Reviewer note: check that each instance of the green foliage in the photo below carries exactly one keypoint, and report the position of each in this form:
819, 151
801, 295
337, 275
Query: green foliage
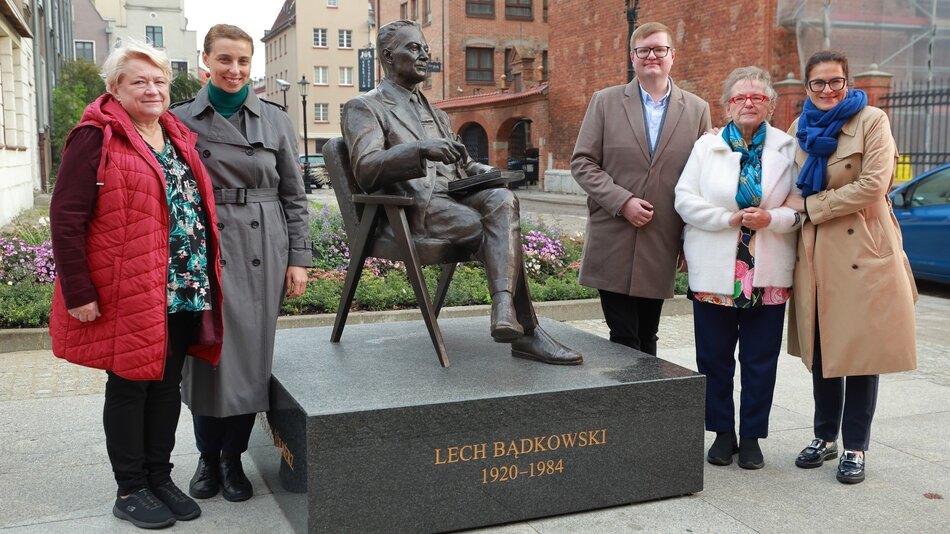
68, 105
469, 286
184, 87
322, 296
564, 287
85, 74
25, 305
681, 284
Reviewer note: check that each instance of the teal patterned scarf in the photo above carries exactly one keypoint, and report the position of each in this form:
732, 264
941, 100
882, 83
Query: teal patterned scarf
749, 193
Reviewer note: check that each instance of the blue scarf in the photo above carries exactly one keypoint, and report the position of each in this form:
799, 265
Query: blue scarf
818, 136
749, 193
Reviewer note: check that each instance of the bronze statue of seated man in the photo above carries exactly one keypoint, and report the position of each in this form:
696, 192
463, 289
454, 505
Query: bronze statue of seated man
399, 144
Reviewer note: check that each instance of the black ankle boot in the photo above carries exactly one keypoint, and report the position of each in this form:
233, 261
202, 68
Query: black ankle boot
205, 484
234, 483
722, 449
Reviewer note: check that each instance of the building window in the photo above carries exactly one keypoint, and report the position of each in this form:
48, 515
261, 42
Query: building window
346, 39
342, 107
427, 84
544, 66
85, 50
427, 11
320, 37
404, 11
179, 67
414, 8
321, 112
331, 3
480, 8
518, 9
321, 75
154, 36
479, 64
346, 75
544, 10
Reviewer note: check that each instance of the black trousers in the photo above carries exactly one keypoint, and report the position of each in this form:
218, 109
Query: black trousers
633, 321
140, 417
845, 403
758, 332
223, 435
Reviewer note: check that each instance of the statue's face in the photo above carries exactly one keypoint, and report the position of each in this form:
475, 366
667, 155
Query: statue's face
408, 57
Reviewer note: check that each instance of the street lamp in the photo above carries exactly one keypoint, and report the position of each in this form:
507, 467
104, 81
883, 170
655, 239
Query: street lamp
284, 85
304, 91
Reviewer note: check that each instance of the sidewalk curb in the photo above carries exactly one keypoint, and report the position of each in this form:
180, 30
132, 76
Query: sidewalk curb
22, 339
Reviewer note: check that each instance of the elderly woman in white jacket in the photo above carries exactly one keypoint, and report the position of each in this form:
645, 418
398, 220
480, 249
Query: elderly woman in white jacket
739, 244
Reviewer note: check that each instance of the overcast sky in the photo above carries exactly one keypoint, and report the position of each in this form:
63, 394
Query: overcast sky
253, 17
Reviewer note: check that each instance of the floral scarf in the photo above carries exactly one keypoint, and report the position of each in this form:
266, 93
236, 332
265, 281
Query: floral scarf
749, 193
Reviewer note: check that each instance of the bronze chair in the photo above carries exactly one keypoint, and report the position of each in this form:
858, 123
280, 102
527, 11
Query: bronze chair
361, 215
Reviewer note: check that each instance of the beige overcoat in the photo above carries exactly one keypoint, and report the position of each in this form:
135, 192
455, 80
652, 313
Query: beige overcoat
612, 163
851, 261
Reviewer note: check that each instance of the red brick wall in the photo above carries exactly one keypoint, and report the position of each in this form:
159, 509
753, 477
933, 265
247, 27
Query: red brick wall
711, 37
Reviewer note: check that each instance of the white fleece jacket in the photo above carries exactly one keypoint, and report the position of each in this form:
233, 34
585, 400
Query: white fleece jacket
706, 198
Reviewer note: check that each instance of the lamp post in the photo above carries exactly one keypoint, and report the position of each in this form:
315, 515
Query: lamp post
632, 14
304, 91
284, 85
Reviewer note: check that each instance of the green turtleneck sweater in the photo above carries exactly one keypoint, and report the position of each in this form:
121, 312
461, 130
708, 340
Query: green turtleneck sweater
226, 103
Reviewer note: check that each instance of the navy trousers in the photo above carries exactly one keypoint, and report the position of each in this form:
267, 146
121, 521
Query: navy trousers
758, 332
223, 435
633, 321
845, 403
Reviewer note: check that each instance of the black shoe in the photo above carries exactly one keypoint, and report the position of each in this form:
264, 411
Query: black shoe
181, 505
816, 453
234, 483
750, 455
850, 468
722, 449
205, 483
143, 509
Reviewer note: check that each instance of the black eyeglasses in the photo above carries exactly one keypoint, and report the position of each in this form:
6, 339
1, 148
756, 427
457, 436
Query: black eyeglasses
643, 52
836, 84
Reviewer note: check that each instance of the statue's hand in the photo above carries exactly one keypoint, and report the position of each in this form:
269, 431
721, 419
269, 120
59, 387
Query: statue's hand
443, 150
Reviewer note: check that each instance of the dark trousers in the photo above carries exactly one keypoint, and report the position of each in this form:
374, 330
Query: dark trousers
140, 417
758, 331
633, 321
223, 435
847, 403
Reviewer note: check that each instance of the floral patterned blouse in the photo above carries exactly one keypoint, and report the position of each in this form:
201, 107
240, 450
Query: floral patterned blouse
744, 295
188, 283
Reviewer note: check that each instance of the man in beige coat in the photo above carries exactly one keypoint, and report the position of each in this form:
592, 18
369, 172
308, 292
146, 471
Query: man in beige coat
633, 144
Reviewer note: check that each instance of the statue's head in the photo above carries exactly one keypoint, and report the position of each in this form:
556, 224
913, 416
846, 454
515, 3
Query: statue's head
403, 52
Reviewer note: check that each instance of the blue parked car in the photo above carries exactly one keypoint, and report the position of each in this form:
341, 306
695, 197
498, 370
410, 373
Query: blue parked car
922, 207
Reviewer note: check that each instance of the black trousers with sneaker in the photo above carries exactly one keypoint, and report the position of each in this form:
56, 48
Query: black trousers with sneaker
758, 331
633, 321
226, 436
847, 403
140, 417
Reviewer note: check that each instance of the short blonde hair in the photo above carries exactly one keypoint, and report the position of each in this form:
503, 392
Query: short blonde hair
114, 66
647, 29
752, 74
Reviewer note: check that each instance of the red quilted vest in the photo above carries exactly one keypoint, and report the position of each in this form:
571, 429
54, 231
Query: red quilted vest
127, 248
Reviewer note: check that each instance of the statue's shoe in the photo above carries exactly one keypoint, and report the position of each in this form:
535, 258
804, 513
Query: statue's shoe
540, 346
505, 327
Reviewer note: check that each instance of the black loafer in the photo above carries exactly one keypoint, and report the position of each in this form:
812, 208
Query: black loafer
205, 484
721, 451
235, 486
816, 453
850, 468
750, 455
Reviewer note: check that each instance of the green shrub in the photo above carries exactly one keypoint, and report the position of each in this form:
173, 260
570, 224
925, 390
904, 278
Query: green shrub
25, 305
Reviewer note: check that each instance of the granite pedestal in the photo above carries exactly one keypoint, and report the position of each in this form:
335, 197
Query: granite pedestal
372, 435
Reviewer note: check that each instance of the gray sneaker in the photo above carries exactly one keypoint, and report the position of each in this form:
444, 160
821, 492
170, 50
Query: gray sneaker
143, 509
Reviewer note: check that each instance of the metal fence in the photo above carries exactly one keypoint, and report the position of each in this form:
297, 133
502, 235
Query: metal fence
920, 122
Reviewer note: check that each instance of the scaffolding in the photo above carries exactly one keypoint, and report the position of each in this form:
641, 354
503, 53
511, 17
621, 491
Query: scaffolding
907, 38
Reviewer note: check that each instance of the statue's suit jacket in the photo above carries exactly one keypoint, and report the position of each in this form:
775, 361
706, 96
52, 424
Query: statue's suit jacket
612, 163
376, 128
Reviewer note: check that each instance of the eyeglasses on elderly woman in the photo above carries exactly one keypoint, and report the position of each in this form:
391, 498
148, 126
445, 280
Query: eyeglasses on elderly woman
818, 85
742, 99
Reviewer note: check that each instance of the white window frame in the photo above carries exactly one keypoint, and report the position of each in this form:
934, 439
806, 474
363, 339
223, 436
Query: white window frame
84, 41
345, 39
347, 78
323, 78
161, 30
321, 112
321, 41
332, 3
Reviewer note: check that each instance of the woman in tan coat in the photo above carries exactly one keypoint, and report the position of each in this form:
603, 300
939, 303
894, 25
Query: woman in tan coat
853, 305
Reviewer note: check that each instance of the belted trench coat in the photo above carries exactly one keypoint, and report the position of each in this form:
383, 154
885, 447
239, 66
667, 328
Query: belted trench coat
851, 271
252, 159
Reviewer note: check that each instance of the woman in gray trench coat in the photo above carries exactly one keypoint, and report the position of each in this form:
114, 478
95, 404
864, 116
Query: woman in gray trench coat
250, 150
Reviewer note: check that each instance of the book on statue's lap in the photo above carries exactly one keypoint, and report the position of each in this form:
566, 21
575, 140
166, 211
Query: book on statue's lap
475, 182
